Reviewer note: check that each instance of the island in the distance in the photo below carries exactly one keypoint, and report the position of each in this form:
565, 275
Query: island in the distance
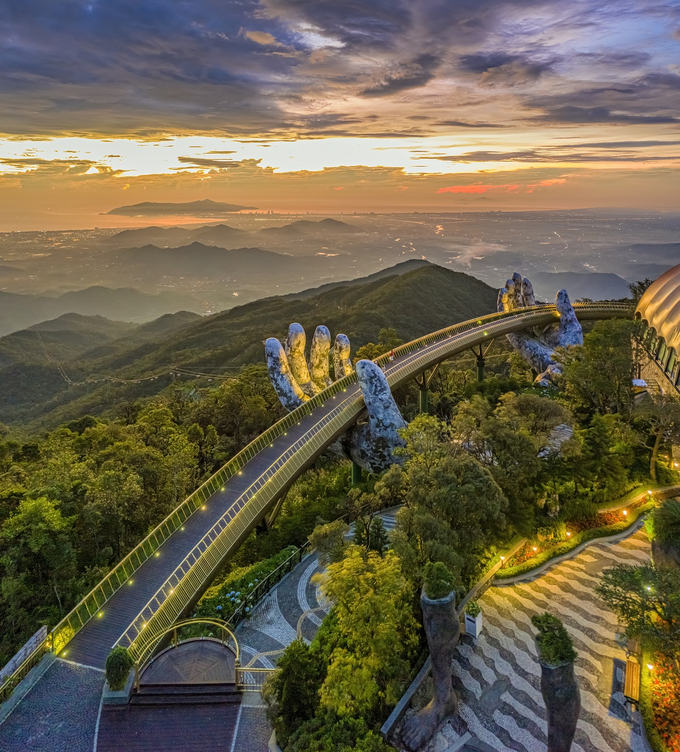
205, 208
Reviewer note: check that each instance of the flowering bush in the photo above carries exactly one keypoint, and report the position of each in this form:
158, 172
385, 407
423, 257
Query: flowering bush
221, 600
665, 695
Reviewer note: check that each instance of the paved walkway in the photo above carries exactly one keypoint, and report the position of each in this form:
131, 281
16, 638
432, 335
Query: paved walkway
497, 676
59, 714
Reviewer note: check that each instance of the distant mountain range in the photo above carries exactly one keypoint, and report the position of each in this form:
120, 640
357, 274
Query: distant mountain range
121, 304
224, 235
304, 227
205, 208
199, 261
414, 301
595, 286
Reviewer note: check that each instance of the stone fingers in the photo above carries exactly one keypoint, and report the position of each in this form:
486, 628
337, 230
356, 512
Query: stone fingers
341, 357
295, 352
372, 444
287, 389
318, 358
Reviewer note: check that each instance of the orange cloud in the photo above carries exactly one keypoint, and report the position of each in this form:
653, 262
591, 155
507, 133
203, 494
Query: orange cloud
554, 181
478, 188
339, 188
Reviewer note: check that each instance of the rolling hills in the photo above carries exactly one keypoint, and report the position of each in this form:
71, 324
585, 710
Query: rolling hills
123, 303
414, 303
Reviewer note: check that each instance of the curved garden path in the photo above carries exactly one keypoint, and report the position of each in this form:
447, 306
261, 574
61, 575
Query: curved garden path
498, 676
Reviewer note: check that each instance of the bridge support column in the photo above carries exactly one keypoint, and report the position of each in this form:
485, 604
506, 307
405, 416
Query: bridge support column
480, 354
480, 367
423, 399
356, 473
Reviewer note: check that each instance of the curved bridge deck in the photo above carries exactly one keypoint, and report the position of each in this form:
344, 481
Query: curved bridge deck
168, 583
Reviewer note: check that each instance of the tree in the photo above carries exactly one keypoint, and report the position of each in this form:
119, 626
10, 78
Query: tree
387, 341
597, 378
377, 633
453, 506
38, 560
662, 415
647, 601
293, 692
638, 289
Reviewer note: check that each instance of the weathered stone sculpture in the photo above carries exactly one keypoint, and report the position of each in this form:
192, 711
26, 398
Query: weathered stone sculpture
538, 351
442, 629
370, 444
295, 380
558, 684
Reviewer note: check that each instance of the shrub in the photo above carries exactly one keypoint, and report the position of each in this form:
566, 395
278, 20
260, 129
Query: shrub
554, 644
118, 665
222, 600
472, 609
438, 580
666, 523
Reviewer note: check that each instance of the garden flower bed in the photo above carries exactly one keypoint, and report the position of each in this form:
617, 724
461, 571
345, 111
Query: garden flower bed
660, 704
533, 555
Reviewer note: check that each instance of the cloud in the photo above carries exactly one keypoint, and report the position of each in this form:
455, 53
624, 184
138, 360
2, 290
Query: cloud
411, 75
219, 164
574, 114
290, 69
477, 188
501, 68
468, 124
260, 37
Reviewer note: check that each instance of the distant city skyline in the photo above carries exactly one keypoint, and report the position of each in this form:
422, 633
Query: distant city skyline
301, 105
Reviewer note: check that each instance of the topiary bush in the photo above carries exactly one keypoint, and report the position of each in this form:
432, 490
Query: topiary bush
554, 644
472, 609
437, 580
118, 665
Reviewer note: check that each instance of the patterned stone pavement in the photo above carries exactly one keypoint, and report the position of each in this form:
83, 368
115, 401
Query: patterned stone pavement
59, 714
497, 676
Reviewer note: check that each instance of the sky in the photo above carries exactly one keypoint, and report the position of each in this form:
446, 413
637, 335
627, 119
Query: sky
337, 105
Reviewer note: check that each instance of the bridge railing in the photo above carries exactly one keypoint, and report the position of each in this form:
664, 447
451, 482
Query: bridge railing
168, 603
70, 625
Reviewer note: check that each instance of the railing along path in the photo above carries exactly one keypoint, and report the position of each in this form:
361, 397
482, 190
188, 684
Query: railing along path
326, 416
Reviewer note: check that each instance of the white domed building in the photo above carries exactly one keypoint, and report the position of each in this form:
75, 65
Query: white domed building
659, 311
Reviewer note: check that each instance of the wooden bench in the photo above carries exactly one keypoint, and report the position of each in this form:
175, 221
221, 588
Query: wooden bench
631, 690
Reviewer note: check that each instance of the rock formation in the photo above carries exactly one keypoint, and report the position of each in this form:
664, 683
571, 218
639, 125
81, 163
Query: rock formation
538, 351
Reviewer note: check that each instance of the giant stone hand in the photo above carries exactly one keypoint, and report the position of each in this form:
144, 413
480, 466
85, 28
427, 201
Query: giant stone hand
370, 444
538, 350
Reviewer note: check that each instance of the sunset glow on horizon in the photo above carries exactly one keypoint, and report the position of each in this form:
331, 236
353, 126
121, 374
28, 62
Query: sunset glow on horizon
294, 106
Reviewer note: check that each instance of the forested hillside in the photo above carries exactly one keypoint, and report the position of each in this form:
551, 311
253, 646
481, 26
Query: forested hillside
142, 363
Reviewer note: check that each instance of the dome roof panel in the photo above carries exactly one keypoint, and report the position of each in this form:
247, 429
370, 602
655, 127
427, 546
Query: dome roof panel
660, 306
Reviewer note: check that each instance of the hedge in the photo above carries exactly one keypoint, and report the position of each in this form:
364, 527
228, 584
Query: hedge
572, 543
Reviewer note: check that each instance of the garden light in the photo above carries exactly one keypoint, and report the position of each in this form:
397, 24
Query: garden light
535, 549
625, 512
650, 666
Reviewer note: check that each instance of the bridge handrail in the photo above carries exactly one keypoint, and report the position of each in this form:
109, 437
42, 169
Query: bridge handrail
168, 603
71, 624
74, 621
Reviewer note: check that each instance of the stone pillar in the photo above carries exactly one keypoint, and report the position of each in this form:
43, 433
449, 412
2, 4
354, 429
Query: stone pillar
442, 629
562, 703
